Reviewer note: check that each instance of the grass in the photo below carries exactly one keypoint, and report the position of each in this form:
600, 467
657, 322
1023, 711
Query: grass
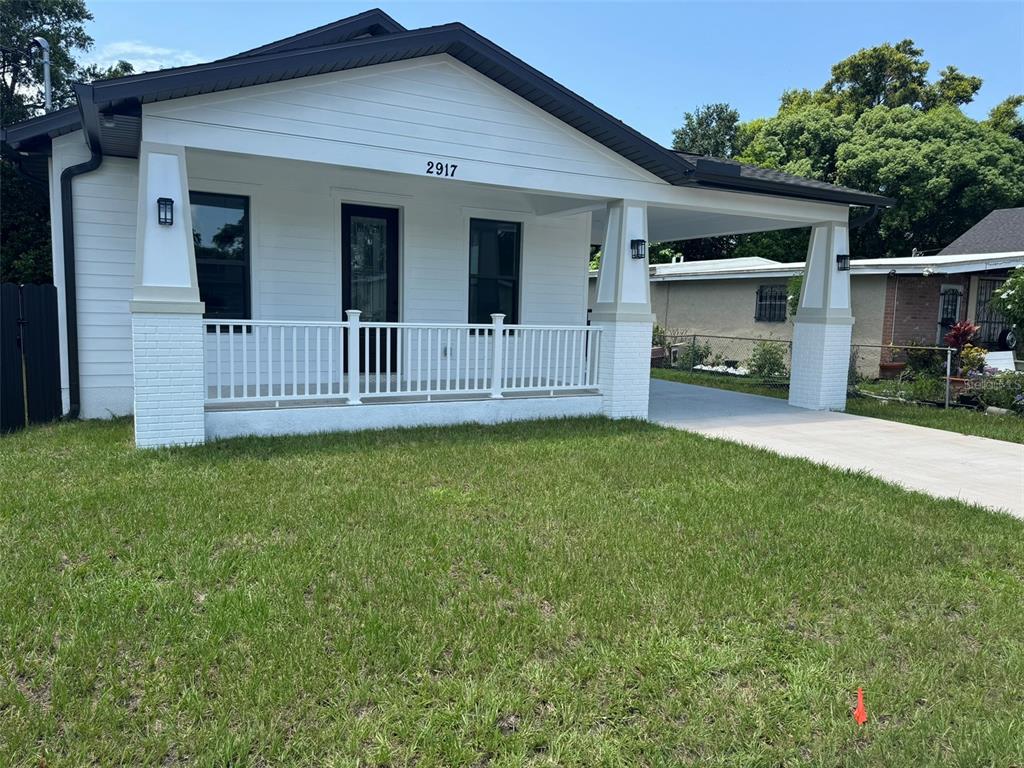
962, 420
564, 593
747, 385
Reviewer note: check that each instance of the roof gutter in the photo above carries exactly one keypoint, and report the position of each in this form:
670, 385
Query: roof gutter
90, 125
716, 173
865, 218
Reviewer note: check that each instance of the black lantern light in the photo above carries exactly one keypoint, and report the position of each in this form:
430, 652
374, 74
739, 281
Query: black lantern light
843, 262
638, 248
165, 210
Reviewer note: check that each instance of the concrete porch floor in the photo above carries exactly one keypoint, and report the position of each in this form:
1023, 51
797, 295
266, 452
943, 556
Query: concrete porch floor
944, 464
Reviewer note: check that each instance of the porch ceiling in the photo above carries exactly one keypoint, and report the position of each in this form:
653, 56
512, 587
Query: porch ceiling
681, 224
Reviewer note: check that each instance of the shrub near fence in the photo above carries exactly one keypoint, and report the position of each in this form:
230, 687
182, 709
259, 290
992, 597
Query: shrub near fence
705, 359
938, 376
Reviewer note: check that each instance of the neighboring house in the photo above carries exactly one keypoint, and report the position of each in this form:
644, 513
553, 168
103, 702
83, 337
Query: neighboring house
364, 226
912, 300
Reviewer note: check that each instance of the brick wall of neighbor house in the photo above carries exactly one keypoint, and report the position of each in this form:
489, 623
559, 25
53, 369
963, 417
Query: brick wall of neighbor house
917, 310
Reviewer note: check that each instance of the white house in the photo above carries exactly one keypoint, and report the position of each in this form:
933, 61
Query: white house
363, 226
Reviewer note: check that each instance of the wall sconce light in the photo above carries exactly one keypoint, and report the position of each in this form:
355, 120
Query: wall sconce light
165, 210
843, 262
638, 248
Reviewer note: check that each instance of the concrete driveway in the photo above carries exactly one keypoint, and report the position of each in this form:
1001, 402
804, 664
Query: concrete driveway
944, 464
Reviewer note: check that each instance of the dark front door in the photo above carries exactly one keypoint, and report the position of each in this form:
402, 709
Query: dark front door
369, 262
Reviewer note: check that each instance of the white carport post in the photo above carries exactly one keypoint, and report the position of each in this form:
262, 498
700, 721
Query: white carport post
824, 324
167, 315
623, 310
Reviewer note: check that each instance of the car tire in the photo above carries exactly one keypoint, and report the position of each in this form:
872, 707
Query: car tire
1007, 339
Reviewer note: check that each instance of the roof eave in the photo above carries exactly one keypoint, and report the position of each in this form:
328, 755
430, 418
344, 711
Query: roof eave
739, 183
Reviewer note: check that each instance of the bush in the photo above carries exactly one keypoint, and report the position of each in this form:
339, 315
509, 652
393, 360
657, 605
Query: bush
1008, 299
659, 337
692, 354
925, 361
793, 288
768, 360
972, 358
1002, 390
925, 388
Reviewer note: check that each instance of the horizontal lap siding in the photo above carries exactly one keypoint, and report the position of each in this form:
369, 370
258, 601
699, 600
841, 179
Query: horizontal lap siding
433, 108
296, 253
296, 256
105, 220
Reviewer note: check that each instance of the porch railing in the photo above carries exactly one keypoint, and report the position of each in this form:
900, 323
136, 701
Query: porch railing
249, 361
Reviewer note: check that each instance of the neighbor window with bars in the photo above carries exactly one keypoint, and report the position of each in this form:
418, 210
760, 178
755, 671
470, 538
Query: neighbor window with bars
771, 304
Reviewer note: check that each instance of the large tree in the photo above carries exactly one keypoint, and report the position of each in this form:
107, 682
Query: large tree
710, 130
878, 124
24, 204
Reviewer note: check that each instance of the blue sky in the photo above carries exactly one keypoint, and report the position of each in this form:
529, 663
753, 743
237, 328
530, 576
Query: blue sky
645, 63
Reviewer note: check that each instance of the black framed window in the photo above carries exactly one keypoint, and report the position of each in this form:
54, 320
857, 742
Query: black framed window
771, 304
494, 255
220, 232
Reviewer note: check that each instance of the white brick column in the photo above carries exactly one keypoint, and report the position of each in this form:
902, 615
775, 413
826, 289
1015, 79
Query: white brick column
824, 325
167, 350
167, 317
623, 310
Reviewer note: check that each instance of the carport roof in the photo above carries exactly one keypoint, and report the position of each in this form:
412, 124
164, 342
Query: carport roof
373, 38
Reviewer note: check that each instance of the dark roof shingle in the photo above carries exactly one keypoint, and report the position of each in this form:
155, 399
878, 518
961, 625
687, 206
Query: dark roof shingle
1001, 231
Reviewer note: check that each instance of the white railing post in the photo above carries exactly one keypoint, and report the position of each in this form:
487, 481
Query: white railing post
497, 348
353, 356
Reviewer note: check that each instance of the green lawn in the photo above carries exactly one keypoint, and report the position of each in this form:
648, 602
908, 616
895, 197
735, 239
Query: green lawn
564, 593
722, 381
962, 420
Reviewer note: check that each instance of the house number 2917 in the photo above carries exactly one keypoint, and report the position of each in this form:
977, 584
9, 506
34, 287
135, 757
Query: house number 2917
435, 168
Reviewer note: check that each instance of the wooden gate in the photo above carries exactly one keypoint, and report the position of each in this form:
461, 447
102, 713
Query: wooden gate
29, 356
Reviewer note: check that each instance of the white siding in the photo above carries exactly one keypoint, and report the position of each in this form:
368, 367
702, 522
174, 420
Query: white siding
296, 251
396, 117
296, 248
105, 217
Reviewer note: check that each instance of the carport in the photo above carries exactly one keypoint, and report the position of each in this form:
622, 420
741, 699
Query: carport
737, 198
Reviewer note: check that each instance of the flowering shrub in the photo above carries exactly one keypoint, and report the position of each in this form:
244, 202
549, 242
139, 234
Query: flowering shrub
961, 334
972, 358
1008, 299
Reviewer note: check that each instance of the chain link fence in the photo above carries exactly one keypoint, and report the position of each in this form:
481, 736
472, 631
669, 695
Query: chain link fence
730, 362
921, 374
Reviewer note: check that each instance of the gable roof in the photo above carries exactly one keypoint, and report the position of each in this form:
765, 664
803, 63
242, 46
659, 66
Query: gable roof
1002, 230
373, 38
369, 23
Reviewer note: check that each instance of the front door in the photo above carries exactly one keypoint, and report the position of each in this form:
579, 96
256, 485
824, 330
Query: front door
369, 262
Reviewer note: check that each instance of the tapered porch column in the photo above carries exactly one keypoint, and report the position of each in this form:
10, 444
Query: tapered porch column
824, 324
167, 316
623, 310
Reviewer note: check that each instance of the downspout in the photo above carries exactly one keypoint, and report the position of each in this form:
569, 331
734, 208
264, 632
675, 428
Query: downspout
91, 130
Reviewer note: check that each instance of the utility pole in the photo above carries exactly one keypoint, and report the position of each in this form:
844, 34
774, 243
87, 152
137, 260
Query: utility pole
42, 44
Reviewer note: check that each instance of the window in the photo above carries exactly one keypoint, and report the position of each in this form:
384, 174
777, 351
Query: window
950, 298
494, 252
771, 303
991, 322
220, 232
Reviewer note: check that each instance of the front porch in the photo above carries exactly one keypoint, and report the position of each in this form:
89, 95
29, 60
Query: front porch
275, 377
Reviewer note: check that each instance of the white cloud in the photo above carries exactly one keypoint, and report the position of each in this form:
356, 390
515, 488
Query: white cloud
145, 58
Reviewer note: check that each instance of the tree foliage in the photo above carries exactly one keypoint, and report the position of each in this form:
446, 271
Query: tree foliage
1008, 299
879, 125
24, 205
711, 130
